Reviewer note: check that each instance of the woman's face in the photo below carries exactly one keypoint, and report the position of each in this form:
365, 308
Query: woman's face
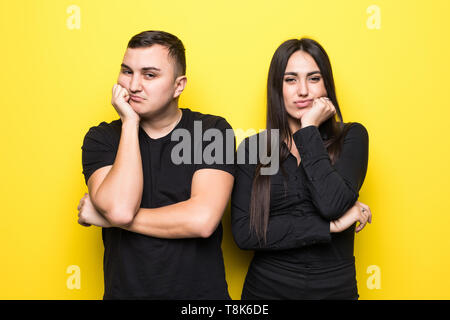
302, 83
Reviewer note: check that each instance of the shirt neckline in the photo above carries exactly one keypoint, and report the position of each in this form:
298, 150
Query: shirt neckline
168, 135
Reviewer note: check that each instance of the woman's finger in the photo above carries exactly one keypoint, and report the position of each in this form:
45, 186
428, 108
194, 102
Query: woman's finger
362, 220
329, 105
361, 226
367, 210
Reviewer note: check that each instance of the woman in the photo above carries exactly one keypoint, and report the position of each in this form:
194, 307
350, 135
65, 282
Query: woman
301, 221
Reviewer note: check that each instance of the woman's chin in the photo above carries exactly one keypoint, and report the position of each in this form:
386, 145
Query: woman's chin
299, 114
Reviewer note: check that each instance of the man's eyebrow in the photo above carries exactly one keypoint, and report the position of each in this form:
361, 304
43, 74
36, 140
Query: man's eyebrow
123, 65
150, 69
295, 73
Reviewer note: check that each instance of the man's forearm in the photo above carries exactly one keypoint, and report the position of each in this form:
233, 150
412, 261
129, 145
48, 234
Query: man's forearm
197, 217
119, 196
186, 219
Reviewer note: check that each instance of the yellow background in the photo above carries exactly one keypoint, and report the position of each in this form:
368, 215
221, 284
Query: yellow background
56, 83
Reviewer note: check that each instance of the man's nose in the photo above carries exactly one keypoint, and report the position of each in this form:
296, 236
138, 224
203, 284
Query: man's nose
135, 83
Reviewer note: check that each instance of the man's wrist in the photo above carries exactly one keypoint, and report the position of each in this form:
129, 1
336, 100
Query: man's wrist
130, 124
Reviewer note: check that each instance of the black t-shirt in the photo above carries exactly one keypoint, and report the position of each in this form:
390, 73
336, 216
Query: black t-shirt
301, 258
137, 266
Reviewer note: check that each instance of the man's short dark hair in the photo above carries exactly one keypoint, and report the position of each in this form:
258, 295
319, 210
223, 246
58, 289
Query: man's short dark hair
172, 43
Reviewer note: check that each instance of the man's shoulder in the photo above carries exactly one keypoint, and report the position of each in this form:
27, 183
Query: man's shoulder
208, 120
105, 132
112, 127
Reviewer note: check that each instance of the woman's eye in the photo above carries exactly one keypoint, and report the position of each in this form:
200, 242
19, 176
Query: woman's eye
315, 78
289, 79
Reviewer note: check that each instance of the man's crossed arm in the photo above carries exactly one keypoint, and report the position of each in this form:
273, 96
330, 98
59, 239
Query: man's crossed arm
196, 217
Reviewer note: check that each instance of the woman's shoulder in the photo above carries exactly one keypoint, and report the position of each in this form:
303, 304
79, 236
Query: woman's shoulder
249, 150
355, 131
253, 140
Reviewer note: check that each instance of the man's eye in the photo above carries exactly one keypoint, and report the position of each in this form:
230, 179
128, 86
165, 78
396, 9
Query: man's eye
149, 75
126, 71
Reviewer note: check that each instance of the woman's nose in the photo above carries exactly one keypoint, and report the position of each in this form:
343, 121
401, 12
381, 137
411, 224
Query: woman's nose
302, 88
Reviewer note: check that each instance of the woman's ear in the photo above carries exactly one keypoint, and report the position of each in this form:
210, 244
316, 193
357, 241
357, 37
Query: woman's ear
180, 84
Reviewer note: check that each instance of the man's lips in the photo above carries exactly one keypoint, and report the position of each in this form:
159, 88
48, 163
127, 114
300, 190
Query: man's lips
136, 98
303, 103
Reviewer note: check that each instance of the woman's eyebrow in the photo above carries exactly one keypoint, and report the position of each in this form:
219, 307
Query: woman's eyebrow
295, 73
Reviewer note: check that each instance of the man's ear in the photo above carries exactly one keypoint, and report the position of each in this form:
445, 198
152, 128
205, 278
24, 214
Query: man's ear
180, 84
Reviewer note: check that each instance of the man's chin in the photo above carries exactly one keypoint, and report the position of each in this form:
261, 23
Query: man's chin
139, 107
148, 112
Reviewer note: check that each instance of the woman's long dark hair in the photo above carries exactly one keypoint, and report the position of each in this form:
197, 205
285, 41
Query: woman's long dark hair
332, 132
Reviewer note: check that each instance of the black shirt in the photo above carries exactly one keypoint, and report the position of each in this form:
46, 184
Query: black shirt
137, 266
302, 259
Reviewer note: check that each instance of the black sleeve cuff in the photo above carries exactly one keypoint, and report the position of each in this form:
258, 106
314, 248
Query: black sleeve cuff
310, 144
312, 151
318, 231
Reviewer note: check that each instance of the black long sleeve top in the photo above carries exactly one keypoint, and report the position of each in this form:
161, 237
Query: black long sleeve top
301, 258
317, 193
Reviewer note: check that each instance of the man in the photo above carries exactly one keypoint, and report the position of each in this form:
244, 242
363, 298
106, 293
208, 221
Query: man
161, 220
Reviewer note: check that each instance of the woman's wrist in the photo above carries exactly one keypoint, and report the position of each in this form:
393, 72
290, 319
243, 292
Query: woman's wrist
307, 124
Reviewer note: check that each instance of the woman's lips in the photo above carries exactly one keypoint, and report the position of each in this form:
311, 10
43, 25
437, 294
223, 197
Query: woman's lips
303, 103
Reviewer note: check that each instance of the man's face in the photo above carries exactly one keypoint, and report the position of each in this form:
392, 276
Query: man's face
149, 76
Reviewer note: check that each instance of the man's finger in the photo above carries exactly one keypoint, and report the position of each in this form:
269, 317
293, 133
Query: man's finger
84, 224
80, 204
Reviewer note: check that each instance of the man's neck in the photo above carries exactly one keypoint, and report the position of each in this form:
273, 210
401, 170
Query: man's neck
163, 123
